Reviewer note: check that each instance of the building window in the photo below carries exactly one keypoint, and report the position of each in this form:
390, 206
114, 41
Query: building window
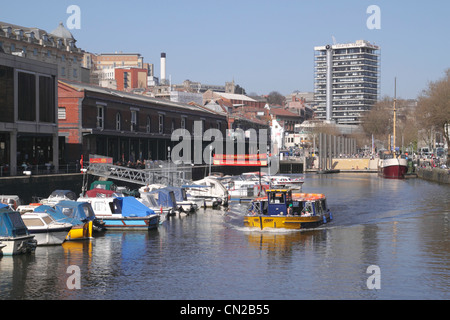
161, 123
75, 73
118, 121
63, 71
149, 123
133, 120
7, 94
35, 52
183, 123
100, 116
46, 99
61, 113
26, 96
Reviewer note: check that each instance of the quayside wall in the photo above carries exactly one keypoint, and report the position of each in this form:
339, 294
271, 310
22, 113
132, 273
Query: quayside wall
27, 187
434, 174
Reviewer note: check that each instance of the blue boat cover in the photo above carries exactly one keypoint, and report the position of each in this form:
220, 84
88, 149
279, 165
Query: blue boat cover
11, 223
57, 214
165, 197
180, 193
131, 207
76, 210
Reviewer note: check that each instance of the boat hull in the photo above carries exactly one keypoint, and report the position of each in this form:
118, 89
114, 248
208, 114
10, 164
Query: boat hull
394, 168
50, 237
80, 232
285, 222
18, 245
131, 223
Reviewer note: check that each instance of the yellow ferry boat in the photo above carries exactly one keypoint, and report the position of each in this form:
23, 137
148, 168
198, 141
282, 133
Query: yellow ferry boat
283, 209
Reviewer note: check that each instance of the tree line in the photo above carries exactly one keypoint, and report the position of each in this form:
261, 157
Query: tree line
417, 122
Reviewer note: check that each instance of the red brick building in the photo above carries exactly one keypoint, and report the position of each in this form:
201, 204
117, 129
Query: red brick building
130, 78
121, 125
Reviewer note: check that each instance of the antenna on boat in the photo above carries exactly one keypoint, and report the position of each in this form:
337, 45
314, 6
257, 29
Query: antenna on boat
395, 111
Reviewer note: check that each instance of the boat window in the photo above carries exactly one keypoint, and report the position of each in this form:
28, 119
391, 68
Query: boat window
98, 206
47, 219
68, 212
318, 205
88, 211
308, 207
265, 205
276, 197
33, 222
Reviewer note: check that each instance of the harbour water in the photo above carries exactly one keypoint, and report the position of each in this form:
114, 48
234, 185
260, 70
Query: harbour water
401, 227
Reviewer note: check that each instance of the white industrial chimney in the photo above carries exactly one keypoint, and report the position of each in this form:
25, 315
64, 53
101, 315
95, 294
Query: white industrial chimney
163, 67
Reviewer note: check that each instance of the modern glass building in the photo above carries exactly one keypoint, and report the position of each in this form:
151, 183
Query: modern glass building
346, 81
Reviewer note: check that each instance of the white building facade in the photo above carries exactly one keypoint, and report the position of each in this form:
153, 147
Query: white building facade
346, 81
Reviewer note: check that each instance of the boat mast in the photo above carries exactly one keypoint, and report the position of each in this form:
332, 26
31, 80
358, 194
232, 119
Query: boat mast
395, 111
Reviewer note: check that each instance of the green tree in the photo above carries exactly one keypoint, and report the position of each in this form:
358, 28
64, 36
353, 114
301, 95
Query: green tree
433, 110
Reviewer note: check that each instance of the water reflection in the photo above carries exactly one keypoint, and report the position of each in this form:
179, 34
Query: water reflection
400, 226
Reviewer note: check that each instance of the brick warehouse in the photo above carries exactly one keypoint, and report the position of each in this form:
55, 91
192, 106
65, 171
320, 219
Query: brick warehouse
124, 126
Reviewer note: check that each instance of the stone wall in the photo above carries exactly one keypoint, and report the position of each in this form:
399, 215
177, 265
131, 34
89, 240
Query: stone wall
435, 174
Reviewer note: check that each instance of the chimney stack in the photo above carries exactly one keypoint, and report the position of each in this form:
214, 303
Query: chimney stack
163, 67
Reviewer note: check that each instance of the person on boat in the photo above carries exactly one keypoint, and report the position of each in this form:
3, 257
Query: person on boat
306, 212
290, 210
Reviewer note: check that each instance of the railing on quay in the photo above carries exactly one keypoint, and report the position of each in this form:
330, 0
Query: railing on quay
43, 169
160, 172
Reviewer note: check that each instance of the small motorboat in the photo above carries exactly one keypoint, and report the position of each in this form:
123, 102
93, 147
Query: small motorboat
150, 201
176, 198
283, 209
13, 201
123, 213
211, 190
47, 231
59, 195
14, 235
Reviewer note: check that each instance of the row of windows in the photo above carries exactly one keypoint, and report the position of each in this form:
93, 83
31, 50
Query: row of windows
100, 121
45, 53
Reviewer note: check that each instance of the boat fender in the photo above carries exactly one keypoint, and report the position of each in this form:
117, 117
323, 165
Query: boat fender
324, 219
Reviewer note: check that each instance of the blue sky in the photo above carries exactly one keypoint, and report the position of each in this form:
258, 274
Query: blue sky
263, 45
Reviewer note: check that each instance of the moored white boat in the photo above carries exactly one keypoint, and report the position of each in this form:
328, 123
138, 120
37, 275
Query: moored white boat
278, 181
45, 229
149, 201
392, 166
59, 195
14, 235
13, 201
245, 186
211, 190
123, 213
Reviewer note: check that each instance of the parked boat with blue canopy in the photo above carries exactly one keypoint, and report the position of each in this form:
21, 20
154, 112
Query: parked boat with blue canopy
185, 204
14, 235
165, 198
283, 209
80, 211
123, 213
